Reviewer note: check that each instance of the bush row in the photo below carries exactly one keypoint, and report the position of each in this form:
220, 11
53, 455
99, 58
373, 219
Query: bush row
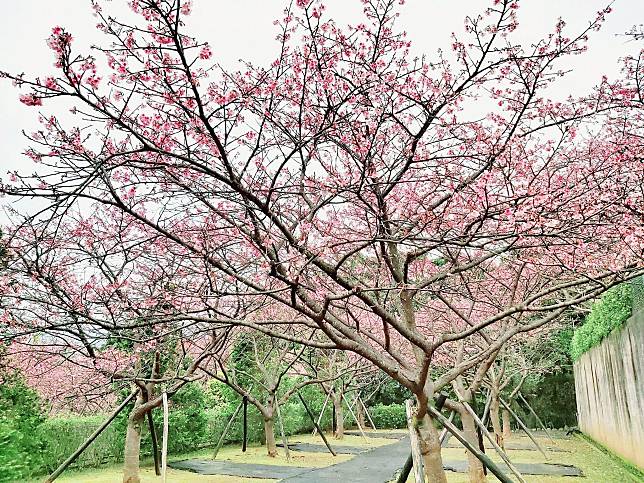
606, 314
196, 420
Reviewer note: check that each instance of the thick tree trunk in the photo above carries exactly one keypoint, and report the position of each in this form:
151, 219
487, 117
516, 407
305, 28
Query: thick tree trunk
133, 447
496, 422
430, 448
475, 467
507, 430
269, 433
339, 416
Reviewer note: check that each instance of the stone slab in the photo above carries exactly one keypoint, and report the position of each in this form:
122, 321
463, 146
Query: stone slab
376, 465
509, 446
230, 468
378, 435
320, 448
542, 469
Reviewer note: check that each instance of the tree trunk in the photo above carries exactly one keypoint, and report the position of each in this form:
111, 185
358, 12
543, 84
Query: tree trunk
269, 433
496, 422
507, 430
133, 446
475, 467
339, 416
430, 448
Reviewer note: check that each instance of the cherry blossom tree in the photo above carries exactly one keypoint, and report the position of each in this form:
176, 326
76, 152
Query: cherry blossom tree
363, 189
82, 320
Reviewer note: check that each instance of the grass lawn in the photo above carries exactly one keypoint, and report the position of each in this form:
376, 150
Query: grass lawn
254, 454
597, 465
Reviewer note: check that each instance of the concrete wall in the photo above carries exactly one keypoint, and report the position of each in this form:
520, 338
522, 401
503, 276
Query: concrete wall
609, 386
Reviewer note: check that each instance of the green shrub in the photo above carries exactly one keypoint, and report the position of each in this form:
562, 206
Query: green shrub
197, 418
391, 392
606, 314
187, 421
392, 416
12, 462
62, 435
20, 417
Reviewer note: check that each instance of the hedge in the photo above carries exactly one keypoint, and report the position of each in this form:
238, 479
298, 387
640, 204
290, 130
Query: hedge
392, 416
196, 420
606, 314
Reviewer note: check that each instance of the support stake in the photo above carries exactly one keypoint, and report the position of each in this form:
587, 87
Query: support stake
155, 443
354, 417
279, 419
89, 440
245, 435
223, 435
326, 400
524, 428
498, 449
366, 411
416, 455
164, 447
317, 426
536, 417
473, 449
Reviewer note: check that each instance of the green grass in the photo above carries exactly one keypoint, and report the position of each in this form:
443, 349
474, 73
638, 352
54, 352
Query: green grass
635, 472
597, 463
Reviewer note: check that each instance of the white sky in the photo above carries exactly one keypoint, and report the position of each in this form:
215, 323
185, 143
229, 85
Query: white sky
243, 29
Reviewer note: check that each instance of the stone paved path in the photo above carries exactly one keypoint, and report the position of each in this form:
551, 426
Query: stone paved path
320, 448
377, 465
549, 469
392, 435
508, 446
209, 467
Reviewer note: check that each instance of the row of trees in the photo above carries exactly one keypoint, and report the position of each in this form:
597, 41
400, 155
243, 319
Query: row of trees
423, 217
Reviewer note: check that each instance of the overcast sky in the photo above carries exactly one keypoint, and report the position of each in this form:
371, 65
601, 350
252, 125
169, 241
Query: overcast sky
243, 29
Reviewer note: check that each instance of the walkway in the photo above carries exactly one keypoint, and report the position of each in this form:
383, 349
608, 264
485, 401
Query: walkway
377, 465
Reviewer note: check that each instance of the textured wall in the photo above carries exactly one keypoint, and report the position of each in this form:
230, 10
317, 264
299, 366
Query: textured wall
609, 385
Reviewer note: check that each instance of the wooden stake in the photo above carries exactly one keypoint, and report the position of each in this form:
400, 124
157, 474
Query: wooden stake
89, 440
279, 419
155, 443
406, 469
524, 428
416, 455
317, 426
445, 433
164, 447
498, 449
486, 410
537, 417
367, 413
245, 434
483, 458
326, 400
223, 435
354, 417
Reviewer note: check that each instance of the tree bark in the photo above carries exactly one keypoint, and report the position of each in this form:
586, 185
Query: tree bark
269, 433
133, 445
507, 430
496, 422
430, 448
475, 470
339, 416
